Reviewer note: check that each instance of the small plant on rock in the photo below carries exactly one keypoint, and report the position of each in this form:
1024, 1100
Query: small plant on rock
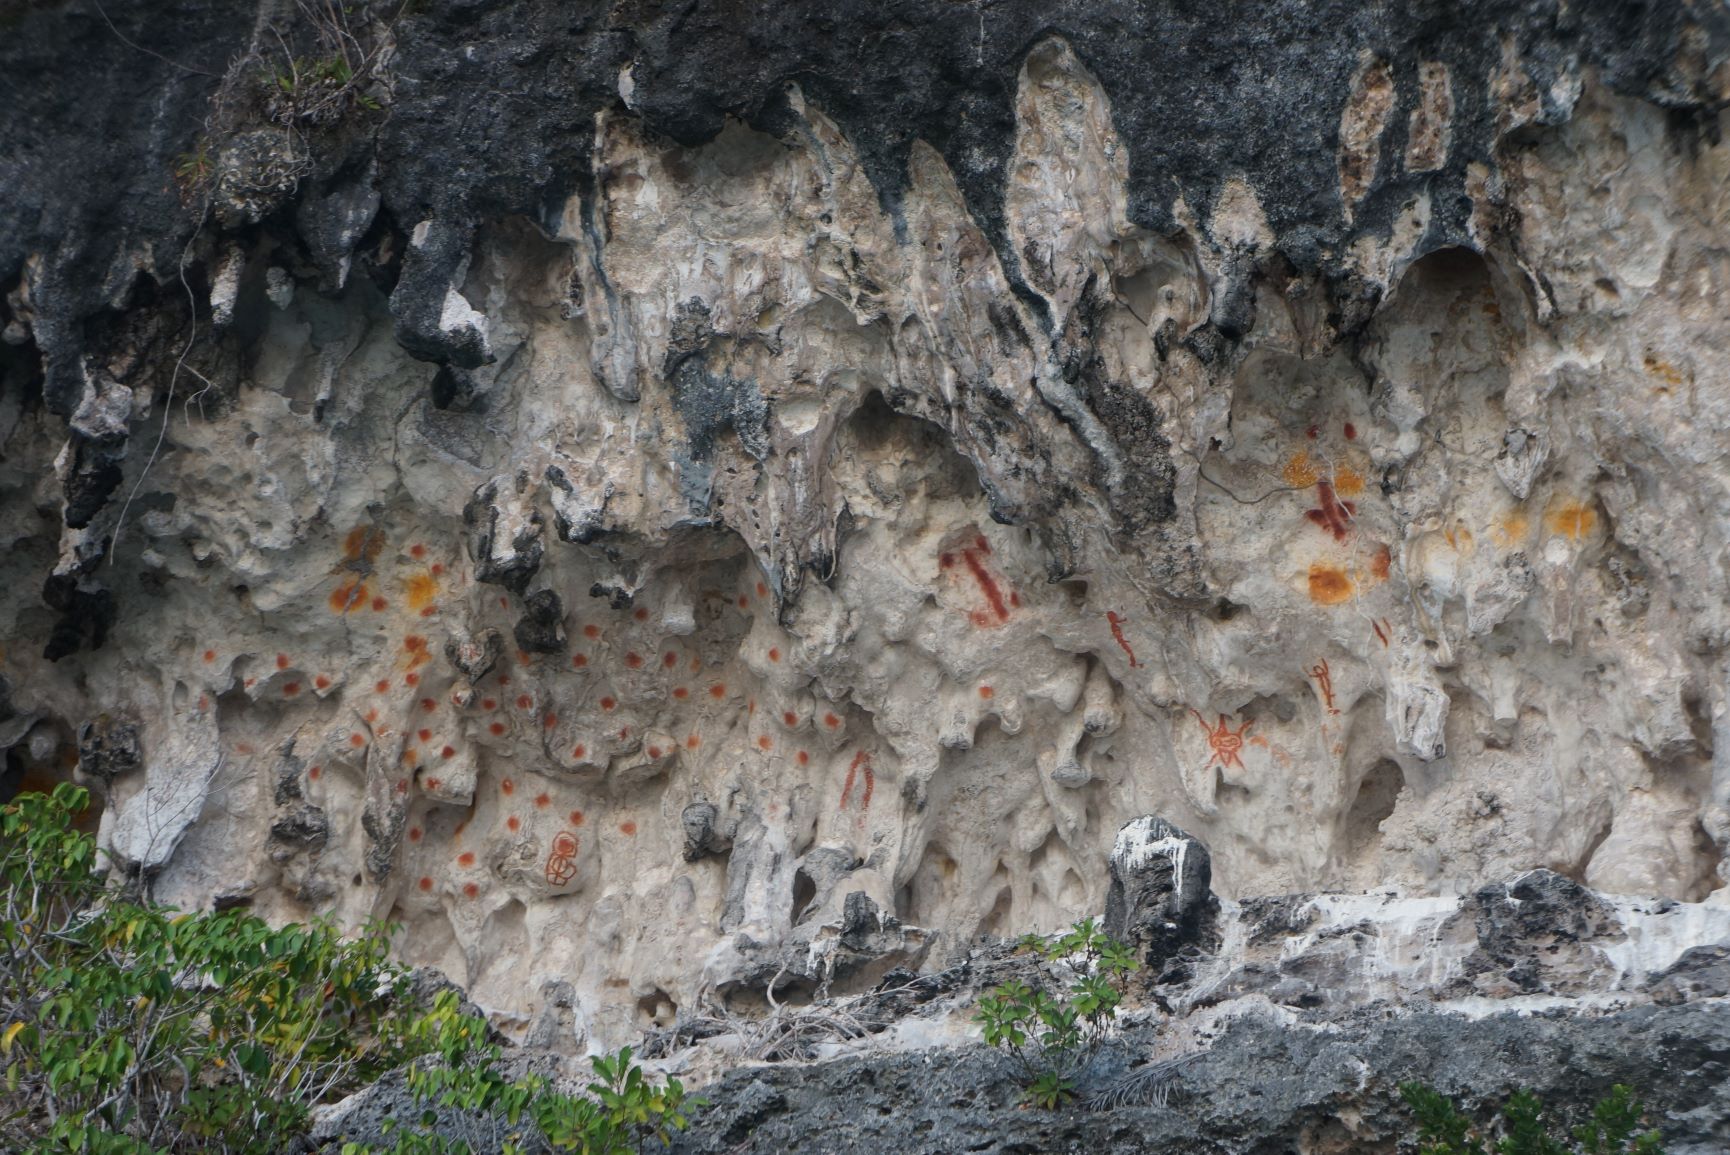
1614, 1129
467, 1104
1052, 1037
193, 168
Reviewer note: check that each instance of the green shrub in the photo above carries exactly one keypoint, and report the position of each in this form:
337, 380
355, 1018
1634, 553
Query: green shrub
130, 1029
126, 1027
1052, 1036
1613, 1130
625, 1113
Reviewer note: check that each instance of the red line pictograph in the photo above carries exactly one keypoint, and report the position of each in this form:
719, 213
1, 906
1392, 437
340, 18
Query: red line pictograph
1117, 632
1225, 742
1382, 634
1332, 514
560, 865
861, 762
1325, 682
970, 557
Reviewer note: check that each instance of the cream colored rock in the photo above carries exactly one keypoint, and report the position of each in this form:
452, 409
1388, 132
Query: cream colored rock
857, 555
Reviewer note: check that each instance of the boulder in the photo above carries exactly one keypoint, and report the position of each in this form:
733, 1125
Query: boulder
1161, 899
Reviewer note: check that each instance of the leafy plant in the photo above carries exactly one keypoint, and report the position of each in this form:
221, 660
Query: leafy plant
192, 169
126, 1027
1614, 1128
1053, 1036
318, 89
346, 72
131, 1029
482, 1109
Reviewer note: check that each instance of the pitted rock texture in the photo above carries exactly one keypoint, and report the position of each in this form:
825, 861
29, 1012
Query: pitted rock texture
1260, 1083
1537, 940
1261, 1086
704, 505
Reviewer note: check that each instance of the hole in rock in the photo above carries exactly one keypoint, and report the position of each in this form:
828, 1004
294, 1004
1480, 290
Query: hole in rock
804, 891
908, 449
24, 774
1143, 293
1449, 270
656, 1010
1699, 713
1225, 610
1377, 795
997, 922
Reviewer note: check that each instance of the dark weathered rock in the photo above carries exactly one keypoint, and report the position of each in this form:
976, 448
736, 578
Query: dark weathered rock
431, 273
454, 387
87, 612
702, 834
1703, 972
475, 656
493, 107
332, 218
541, 628
304, 826
506, 549
109, 748
1533, 936
1260, 1087
1161, 900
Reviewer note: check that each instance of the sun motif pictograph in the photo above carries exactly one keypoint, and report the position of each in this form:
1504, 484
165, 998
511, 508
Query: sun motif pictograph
1225, 742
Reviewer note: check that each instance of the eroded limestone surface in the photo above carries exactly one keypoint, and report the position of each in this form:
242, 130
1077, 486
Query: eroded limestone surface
773, 581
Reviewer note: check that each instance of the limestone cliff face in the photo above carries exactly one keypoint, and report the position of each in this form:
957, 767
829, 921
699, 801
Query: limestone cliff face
670, 501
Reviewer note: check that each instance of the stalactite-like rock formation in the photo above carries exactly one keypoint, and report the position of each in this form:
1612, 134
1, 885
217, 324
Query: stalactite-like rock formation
664, 502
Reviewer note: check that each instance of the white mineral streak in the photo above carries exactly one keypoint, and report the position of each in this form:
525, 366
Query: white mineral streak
1411, 950
1407, 950
459, 318
1658, 933
1418, 619
1136, 847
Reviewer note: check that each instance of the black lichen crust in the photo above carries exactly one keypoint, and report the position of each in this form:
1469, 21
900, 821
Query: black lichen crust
492, 113
495, 102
